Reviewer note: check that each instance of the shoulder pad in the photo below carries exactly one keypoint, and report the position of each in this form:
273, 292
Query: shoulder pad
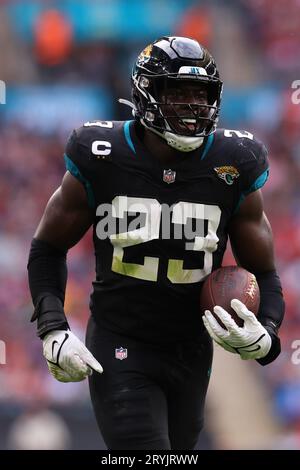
249, 155
94, 139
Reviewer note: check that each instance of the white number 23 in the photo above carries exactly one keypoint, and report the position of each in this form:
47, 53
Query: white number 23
181, 214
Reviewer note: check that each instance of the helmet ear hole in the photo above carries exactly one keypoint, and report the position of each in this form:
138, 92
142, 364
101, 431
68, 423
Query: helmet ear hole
144, 82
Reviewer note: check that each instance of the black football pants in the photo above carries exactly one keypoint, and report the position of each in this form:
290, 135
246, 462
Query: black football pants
153, 399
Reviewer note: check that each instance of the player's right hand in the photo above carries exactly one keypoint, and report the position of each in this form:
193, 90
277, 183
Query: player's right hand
67, 357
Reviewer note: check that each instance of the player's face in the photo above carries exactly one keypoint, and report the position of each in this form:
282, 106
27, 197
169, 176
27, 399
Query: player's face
183, 104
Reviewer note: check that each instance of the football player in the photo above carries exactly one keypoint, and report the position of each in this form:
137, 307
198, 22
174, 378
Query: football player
163, 192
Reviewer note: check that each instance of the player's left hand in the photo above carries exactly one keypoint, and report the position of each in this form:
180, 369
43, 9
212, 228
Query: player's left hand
252, 341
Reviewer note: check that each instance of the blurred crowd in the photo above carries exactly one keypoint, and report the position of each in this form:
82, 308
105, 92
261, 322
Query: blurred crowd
257, 47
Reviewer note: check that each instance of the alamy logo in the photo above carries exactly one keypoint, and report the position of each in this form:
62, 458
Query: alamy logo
2, 353
2, 92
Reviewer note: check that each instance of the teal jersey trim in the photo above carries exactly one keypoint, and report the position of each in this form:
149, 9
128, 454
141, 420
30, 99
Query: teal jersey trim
128, 136
208, 145
258, 183
72, 168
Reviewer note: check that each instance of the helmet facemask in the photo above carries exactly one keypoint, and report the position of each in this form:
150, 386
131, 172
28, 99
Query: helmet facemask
184, 106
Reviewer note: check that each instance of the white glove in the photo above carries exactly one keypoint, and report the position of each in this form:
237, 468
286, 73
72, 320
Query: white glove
67, 357
252, 341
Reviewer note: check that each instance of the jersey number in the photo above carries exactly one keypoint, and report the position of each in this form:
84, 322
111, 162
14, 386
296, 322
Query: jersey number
152, 212
240, 134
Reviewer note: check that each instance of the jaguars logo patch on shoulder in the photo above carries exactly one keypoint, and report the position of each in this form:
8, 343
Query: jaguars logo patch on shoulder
227, 173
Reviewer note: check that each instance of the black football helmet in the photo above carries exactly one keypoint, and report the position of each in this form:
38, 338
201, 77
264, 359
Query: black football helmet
177, 64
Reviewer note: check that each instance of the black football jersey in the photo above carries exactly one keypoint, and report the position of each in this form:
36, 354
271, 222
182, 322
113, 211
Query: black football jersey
159, 230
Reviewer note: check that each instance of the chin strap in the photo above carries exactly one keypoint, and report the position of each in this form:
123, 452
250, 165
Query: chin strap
178, 142
182, 143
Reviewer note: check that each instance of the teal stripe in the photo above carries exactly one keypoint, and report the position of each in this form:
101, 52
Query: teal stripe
258, 183
128, 136
73, 169
208, 145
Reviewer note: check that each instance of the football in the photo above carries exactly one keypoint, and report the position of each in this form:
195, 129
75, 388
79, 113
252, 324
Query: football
227, 283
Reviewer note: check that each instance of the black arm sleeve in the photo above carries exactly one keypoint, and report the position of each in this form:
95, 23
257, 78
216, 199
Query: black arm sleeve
271, 311
47, 274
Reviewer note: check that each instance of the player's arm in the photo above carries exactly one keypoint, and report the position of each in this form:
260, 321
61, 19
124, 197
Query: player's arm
252, 244
66, 219
251, 236
67, 216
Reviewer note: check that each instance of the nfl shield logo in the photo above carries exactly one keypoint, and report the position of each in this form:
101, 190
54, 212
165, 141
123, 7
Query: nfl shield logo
169, 176
121, 353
